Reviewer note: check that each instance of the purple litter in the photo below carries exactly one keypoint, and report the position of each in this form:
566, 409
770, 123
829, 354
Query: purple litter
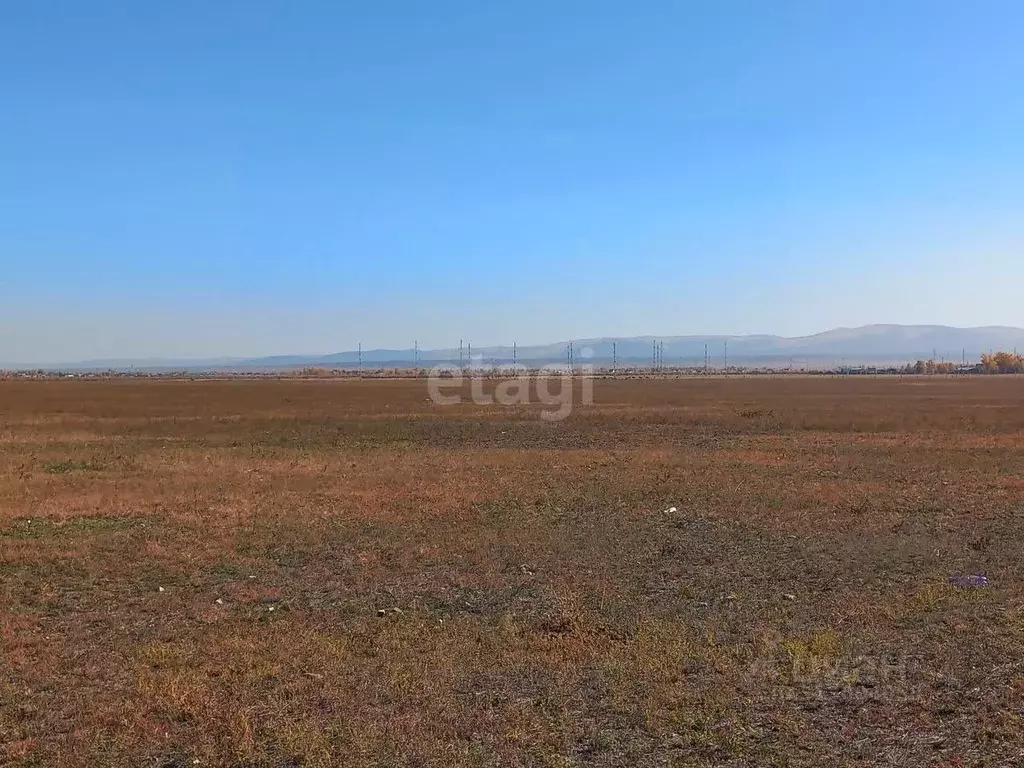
970, 581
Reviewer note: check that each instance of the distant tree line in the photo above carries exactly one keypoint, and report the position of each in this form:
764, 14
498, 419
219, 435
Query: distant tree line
999, 362
1002, 362
931, 366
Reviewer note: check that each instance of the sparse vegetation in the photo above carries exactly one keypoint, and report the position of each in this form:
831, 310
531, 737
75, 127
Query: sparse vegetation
702, 572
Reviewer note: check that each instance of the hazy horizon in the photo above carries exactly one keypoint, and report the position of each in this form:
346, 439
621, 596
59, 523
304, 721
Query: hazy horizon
874, 343
231, 180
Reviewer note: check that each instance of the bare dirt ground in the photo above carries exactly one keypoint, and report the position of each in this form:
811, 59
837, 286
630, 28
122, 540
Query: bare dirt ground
315, 573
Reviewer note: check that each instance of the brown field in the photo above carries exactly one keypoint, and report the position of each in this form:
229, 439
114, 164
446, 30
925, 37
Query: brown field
193, 574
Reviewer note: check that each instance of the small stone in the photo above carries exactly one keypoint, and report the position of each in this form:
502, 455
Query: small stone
789, 596
219, 601
159, 589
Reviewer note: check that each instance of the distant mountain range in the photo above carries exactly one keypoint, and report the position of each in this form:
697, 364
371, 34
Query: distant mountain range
864, 345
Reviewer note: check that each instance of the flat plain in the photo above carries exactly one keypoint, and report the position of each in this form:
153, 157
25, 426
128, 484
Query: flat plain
689, 572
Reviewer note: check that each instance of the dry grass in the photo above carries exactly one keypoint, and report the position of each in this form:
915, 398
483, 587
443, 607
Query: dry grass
197, 571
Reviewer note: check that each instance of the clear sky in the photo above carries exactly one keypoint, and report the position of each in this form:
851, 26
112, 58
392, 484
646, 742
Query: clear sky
243, 177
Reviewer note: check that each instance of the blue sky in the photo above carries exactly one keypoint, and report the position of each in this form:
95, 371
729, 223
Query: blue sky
198, 178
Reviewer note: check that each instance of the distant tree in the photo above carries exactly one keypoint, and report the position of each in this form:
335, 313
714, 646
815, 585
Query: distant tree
1002, 362
931, 367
